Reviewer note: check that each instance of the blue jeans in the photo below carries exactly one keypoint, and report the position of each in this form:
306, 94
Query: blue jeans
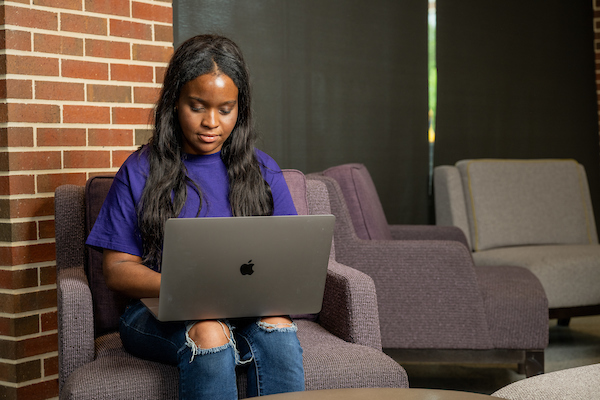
273, 354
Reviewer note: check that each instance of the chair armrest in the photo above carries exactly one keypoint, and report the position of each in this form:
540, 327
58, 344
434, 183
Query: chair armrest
350, 306
75, 321
428, 232
427, 291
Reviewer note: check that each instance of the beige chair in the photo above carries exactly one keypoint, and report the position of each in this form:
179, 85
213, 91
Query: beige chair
581, 383
531, 213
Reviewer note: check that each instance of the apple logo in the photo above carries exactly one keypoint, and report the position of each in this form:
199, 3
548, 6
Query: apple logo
246, 269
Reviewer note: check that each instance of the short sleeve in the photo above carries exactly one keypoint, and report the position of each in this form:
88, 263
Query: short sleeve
282, 199
116, 227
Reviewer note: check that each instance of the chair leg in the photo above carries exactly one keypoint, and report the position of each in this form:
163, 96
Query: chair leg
533, 364
563, 321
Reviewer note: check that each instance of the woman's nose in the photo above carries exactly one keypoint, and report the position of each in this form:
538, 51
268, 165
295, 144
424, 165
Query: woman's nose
210, 120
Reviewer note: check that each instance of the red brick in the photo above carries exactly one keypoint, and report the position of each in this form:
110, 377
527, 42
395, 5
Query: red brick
108, 94
68, 4
87, 159
21, 326
28, 65
129, 29
46, 229
112, 7
16, 40
119, 157
19, 279
23, 208
32, 346
152, 12
35, 253
16, 89
142, 136
18, 231
57, 44
160, 74
83, 24
163, 33
59, 91
107, 49
61, 137
86, 114
49, 182
15, 112
84, 70
17, 184
16, 137
136, 116
131, 73
143, 52
51, 366
21, 371
145, 95
47, 276
49, 321
37, 391
110, 137
34, 160
30, 18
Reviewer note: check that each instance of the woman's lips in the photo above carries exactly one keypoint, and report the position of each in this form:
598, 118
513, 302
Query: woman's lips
208, 138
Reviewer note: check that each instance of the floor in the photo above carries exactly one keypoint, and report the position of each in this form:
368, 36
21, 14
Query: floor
572, 346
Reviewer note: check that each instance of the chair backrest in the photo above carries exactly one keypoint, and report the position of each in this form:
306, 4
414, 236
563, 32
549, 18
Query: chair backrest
362, 201
517, 202
109, 305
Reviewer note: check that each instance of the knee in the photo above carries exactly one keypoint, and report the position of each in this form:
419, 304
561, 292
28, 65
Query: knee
209, 334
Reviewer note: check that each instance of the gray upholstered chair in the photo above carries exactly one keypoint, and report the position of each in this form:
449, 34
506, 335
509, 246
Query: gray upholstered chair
532, 213
580, 383
342, 344
434, 304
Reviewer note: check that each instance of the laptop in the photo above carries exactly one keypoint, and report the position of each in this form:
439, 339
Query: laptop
233, 267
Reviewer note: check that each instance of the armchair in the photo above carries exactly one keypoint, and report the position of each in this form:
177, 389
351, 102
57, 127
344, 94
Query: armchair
94, 364
434, 304
536, 214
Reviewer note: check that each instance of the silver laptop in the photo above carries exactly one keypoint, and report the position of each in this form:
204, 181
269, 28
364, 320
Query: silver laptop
214, 268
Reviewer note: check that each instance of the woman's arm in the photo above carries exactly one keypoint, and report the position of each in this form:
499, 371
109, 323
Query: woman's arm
125, 273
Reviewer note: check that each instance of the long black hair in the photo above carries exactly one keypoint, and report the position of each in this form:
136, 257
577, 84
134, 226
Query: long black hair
166, 187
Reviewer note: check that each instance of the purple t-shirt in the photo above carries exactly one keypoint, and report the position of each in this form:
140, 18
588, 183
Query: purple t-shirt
117, 226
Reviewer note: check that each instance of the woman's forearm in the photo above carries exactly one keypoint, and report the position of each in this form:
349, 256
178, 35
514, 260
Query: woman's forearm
126, 274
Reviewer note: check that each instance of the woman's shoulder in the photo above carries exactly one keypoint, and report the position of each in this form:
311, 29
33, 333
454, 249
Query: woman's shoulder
135, 168
266, 160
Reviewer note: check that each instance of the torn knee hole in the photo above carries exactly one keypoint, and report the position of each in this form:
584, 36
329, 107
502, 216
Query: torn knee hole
277, 325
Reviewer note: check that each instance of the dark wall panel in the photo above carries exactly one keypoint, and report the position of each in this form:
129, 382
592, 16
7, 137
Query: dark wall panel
334, 82
516, 79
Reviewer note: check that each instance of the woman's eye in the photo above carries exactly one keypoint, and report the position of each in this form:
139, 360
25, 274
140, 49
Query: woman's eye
225, 112
196, 109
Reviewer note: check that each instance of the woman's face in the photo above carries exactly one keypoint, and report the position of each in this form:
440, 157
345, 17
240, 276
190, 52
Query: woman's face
207, 109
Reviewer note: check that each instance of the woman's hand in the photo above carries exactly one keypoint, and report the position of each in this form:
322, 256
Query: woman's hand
125, 273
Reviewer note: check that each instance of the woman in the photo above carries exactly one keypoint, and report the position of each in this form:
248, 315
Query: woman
200, 162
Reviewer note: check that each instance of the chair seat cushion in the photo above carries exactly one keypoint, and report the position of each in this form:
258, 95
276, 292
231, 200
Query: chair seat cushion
330, 363
570, 274
516, 307
581, 383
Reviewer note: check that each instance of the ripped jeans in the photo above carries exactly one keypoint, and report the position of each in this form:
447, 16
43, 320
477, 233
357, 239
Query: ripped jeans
273, 355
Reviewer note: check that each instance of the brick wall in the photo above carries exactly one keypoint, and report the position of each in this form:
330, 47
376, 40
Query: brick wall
77, 82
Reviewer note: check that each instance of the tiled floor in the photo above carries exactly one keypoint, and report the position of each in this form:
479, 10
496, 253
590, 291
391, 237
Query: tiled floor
573, 346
